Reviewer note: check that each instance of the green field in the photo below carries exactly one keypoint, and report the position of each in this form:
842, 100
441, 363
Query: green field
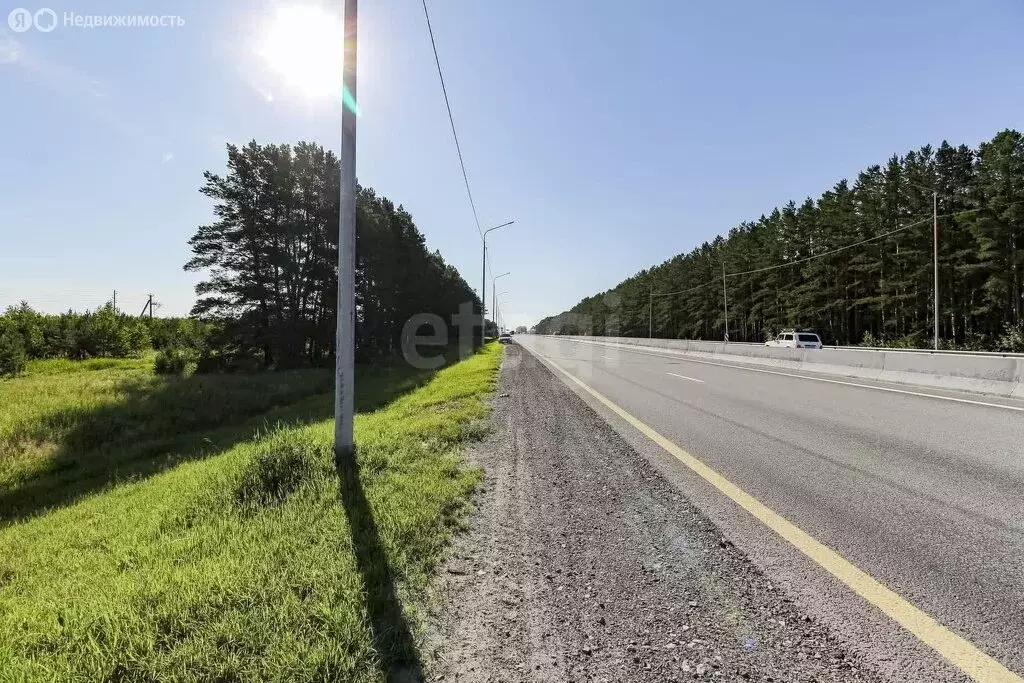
197, 529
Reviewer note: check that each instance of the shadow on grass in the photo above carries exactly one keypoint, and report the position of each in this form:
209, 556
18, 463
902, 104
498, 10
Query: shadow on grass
159, 423
391, 633
390, 630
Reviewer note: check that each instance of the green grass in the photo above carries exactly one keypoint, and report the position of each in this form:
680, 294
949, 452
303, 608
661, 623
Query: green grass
258, 561
65, 416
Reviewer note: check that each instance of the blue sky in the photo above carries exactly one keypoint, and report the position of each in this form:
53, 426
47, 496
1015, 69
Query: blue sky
615, 134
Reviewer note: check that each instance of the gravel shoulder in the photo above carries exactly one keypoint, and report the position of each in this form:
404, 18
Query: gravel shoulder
583, 563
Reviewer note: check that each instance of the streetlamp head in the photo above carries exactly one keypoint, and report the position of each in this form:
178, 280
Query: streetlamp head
497, 226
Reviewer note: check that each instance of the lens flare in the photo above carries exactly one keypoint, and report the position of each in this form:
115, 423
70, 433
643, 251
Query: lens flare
305, 47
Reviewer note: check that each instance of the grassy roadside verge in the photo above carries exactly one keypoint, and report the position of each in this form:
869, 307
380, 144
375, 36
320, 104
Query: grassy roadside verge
260, 563
70, 427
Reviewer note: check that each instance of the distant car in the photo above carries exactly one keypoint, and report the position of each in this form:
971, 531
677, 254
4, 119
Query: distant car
795, 340
505, 338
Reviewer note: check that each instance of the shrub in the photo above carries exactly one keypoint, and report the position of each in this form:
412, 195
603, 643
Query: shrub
973, 342
167, 332
12, 354
279, 469
871, 340
214, 361
103, 333
175, 361
1013, 339
134, 339
910, 341
28, 325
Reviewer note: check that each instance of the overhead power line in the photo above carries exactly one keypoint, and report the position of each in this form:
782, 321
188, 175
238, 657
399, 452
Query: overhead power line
827, 253
684, 291
857, 244
834, 251
451, 119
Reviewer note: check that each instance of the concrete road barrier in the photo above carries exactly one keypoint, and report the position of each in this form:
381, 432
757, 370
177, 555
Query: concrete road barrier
982, 374
996, 375
864, 364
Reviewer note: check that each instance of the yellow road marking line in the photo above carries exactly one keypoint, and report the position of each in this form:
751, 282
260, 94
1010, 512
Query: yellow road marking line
958, 651
631, 348
692, 379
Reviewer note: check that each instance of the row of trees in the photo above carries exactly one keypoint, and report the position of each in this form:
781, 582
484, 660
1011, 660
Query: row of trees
27, 334
855, 264
272, 255
93, 334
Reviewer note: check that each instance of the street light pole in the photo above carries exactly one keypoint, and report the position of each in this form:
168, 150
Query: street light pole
496, 313
725, 299
483, 284
494, 297
935, 262
344, 351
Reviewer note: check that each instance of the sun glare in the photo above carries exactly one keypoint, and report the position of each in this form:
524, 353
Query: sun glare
304, 46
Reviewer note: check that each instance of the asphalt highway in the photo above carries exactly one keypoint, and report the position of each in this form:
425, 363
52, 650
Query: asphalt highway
924, 495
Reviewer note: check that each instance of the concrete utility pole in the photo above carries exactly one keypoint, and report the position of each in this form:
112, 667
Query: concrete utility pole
115, 301
494, 297
344, 352
483, 286
650, 315
725, 299
148, 306
483, 296
935, 261
497, 313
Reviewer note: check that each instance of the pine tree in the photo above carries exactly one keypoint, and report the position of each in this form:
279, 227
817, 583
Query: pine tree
854, 264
